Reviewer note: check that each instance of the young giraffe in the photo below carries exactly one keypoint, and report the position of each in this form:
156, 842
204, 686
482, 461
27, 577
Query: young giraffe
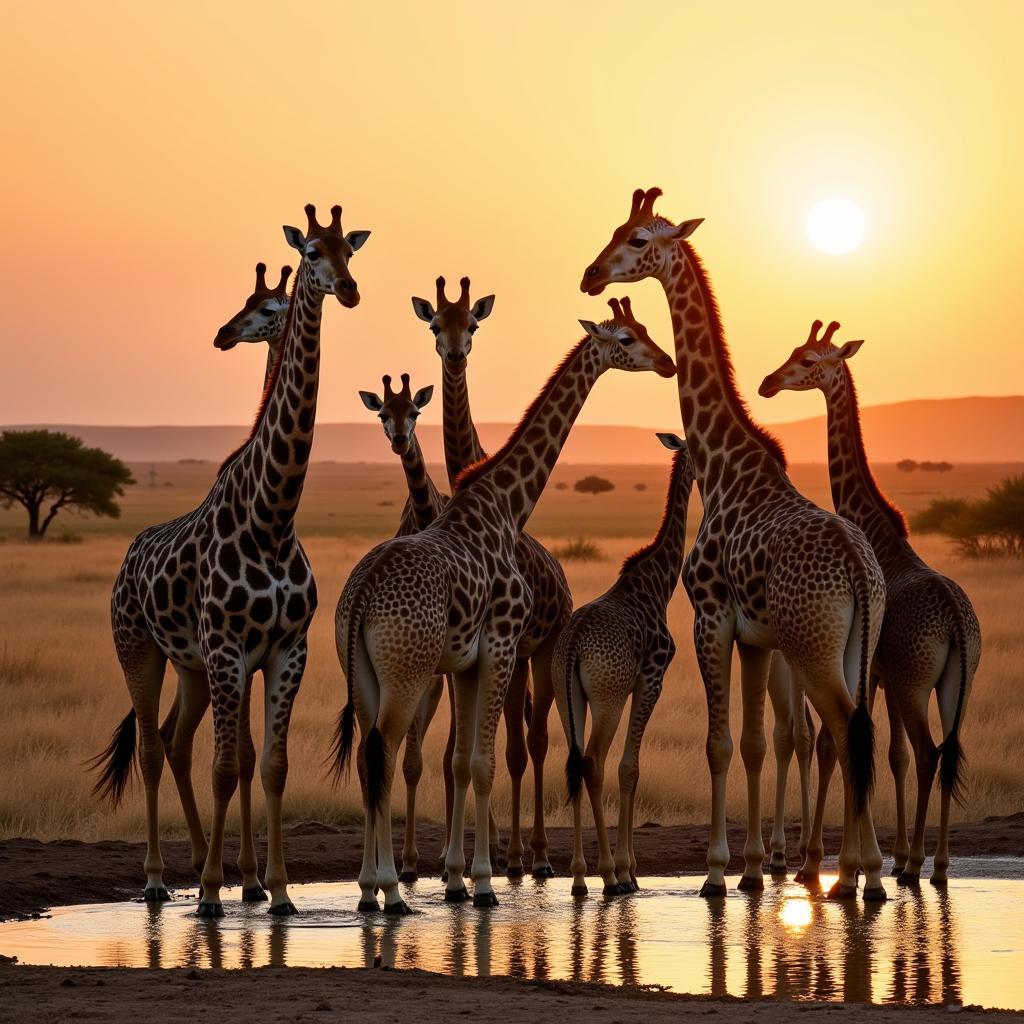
452, 599
768, 570
226, 590
616, 647
453, 325
930, 637
398, 412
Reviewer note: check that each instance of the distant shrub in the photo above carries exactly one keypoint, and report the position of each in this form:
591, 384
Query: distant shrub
991, 527
192, 462
385, 504
562, 486
940, 515
906, 465
578, 550
68, 538
936, 467
593, 485
640, 487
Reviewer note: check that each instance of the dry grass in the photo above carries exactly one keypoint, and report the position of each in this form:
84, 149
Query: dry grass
62, 692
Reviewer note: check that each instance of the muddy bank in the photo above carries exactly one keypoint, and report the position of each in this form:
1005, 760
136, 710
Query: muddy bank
35, 875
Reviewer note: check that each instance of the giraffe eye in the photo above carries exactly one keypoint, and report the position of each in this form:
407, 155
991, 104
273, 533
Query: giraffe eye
312, 255
625, 339
638, 243
267, 311
808, 362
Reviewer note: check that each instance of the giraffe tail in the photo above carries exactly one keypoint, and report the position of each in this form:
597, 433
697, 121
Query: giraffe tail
117, 763
951, 751
344, 729
860, 732
576, 763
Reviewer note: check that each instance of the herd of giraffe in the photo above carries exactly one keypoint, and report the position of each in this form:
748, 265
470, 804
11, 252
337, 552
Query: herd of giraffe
821, 608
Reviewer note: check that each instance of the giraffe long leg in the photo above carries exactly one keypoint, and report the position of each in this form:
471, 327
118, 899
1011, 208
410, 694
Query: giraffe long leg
947, 691
537, 742
607, 712
178, 732
826, 752
645, 696
754, 665
926, 760
803, 742
899, 763
713, 644
780, 692
282, 675
516, 758
252, 891
366, 696
465, 726
412, 770
449, 775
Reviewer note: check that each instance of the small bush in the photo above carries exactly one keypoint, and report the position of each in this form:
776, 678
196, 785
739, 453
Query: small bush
993, 526
939, 516
385, 504
906, 465
593, 485
640, 487
578, 550
561, 486
936, 467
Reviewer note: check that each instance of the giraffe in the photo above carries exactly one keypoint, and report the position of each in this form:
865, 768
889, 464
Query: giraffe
930, 638
451, 598
227, 590
618, 647
453, 325
398, 412
769, 570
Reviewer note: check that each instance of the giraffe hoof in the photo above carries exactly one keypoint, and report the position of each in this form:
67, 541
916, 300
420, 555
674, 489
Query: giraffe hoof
254, 894
709, 890
156, 894
515, 870
898, 869
806, 876
485, 899
444, 875
399, 909
285, 909
778, 866
579, 890
408, 876
210, 910
875, 894
456, 895
635, 885
612, 890
543, 871
748, 884
369, 906
940, 881
842, 892
907, 878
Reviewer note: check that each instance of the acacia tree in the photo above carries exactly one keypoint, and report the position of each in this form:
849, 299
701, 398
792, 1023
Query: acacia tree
46, 471
593, 485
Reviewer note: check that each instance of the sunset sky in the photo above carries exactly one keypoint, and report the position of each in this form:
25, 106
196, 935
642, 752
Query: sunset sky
152, 155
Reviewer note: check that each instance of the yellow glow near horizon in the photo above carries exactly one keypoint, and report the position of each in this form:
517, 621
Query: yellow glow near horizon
835, 225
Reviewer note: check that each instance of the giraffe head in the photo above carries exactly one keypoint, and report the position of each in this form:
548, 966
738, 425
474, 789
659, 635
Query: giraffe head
263, 315
325, 254
398, 411
642, 247
814, 364
624, 344
453, 324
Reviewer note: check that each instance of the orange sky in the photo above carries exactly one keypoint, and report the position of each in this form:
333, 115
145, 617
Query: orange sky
151, 156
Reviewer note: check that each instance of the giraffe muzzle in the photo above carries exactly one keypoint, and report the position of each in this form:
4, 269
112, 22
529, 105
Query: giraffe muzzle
347, 293
594, 280
769, 388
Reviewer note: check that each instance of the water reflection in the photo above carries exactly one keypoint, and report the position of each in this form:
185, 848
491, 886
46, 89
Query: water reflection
924, 946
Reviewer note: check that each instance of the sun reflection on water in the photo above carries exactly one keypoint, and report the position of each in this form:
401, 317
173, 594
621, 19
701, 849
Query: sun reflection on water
795, 913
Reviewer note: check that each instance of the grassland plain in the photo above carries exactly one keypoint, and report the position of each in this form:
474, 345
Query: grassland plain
62, 691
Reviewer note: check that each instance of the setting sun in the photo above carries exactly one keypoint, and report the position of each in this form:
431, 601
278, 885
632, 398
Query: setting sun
835, 225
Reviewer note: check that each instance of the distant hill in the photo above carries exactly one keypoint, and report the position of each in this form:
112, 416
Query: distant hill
954, 429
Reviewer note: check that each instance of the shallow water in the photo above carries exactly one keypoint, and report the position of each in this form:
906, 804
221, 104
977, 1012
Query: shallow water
963, 945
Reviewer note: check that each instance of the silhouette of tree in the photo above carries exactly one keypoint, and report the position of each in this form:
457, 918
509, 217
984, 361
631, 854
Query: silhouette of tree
906, 465
593, 485
43, 467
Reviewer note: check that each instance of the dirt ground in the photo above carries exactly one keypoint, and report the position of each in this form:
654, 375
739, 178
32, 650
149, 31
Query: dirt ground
35, 875
48, 994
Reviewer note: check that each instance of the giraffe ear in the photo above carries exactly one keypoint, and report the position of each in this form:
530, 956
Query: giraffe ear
672, 442
591, 328
849, 348
295, 238
686, 229
356, 239
482, 307
423, 309
423, 396
371, 401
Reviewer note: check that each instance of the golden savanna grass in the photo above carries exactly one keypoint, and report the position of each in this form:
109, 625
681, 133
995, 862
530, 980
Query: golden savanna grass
62, 691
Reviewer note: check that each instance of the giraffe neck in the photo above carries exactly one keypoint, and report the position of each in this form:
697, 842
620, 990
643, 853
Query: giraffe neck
421, 504
662, 559
520, 469
273, 350
461, 443
270, 468
720, 433
855, 493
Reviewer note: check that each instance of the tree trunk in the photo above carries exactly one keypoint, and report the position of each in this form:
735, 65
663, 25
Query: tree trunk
34, 532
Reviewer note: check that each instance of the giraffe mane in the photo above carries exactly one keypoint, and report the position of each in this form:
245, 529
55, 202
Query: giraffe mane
768, 440
891, 511
642, 552
479, 469
268, 387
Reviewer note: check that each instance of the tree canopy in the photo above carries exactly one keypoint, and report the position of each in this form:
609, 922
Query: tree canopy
593, 485
46, 471
991, 526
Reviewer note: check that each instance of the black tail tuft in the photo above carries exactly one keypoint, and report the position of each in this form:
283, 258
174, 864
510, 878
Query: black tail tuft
951, 767
341, 749
528, 707
375, 769
860, 742
575, 771
118, 763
